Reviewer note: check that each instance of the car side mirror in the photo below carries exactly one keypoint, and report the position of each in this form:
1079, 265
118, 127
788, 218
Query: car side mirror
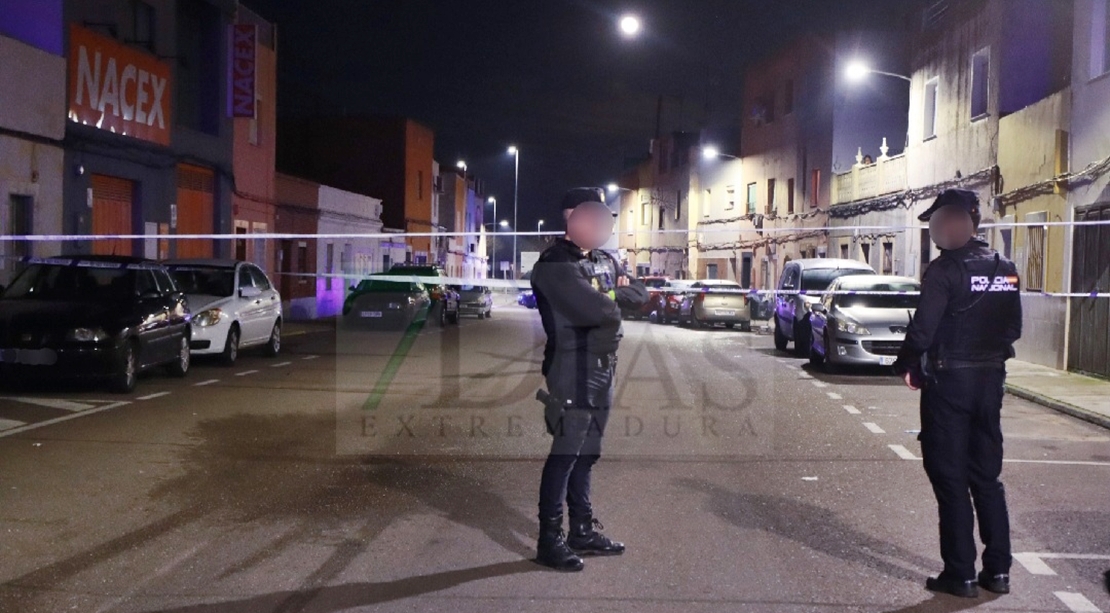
818, 308
250, 292
352, 288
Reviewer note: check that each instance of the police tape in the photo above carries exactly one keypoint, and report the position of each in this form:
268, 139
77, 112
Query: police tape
38, 238
525, 284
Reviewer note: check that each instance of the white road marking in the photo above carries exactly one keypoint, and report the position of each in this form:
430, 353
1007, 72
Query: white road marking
246, 372
50, 422
53, 403
851, 409
280, 364
819, 384
208, 382
835, 396
1077, 602
874, 428
805, 375
8, 424
902, 452
153, 396
310, 357
1035, 562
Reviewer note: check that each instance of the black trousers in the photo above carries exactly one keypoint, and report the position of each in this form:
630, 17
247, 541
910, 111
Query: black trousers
961, 444
576, 442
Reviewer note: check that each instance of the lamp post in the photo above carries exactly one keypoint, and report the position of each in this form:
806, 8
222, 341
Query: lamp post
710, 152
504, 224
539, 226
493, 266
513, 151
857, 71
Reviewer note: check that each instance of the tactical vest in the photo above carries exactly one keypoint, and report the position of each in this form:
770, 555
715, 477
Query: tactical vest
975, 326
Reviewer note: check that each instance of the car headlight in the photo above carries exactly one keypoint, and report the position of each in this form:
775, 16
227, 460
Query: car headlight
86, 335
851, 327
208, 318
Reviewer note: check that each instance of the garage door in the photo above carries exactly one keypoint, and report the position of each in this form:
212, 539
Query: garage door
195, 207
111, 213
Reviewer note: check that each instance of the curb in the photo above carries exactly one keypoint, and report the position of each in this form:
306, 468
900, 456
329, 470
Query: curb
1086, 415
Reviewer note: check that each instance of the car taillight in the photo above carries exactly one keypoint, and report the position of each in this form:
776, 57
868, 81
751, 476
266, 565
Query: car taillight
699, 298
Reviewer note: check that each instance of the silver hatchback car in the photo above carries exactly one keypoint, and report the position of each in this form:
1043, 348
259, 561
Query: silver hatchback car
799, 288
862, 321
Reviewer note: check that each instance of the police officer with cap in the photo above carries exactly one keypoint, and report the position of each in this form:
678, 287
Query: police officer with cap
580, 290
955, 351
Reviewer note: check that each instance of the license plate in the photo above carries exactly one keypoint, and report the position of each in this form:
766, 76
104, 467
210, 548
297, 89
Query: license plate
726, 313
29, 357
886, 361
371, 314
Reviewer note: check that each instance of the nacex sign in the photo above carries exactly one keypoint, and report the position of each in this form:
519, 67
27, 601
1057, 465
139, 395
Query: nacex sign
242, 67
118, 89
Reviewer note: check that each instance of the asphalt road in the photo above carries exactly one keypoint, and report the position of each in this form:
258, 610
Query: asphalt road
397, 471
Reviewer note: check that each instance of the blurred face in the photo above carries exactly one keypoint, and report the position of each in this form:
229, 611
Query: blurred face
589, 225
951, 227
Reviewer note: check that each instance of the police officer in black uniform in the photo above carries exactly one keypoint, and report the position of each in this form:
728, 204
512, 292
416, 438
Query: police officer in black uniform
955, 352
580, 291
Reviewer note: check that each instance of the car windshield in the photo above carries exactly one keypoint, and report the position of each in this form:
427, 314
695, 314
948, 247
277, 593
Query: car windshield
472, 291
209, 281
818, 279
906, 300
378, 285
55, 282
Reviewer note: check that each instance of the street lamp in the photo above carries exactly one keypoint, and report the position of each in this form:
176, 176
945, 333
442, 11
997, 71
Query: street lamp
630, 26
513, 151
857, 71
613, 188
710, 152
539, 226
461, 165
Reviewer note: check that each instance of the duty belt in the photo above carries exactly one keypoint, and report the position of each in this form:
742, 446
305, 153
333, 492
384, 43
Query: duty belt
944, 364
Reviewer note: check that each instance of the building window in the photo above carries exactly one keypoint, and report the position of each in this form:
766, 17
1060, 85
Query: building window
645, 213
929, 127
926, 249
662, 210
769, 106
866, 249
143, 25
1036, 245
751, 198
788, 98
329, 266
770, 197
1100, 38
888, 258
790, 196
678, 206
815, 187
980, 80
844, 251
710, 271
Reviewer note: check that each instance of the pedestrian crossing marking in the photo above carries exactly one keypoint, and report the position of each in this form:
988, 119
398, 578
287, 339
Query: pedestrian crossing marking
54, 403
1077, 602
8, 424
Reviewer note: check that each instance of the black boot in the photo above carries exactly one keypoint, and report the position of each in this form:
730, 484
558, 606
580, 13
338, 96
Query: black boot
998, 584
552, 550
955, 587
585, 539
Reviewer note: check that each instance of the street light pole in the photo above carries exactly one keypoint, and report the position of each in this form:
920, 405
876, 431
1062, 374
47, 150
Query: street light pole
493, 266
539, 226
513, 151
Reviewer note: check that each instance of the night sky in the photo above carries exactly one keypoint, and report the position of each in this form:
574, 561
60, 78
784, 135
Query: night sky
554, 77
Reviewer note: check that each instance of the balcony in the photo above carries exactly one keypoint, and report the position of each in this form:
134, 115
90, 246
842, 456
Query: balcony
885, 176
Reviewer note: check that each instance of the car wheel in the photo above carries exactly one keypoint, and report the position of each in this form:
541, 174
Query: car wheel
481, 315
123, 382
694, 321
273, 346
180, 365
802, 334
816, 359
231, 347
746, 326
730, 325
830, 350
780, 338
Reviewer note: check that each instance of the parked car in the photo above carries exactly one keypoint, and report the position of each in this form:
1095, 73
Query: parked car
234, 306
862, 329
99, 318
475, 300
654, 287
445, 301
799, 288
715, 301
388, 303
666, 306
526, 299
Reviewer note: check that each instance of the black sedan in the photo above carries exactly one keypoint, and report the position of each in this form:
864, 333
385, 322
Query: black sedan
388, 303
101, 318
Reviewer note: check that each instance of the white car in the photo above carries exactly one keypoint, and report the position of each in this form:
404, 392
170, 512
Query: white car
234, 306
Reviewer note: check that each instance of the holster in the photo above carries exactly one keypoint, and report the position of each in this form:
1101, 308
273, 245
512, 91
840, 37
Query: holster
553, 410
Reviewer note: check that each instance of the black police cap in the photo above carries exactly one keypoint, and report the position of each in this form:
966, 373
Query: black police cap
963, 198
578, 195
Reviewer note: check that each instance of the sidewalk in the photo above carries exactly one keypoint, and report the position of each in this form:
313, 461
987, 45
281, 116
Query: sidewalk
1083, 397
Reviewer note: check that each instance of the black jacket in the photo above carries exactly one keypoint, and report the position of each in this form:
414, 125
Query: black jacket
579, 301
970, 309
